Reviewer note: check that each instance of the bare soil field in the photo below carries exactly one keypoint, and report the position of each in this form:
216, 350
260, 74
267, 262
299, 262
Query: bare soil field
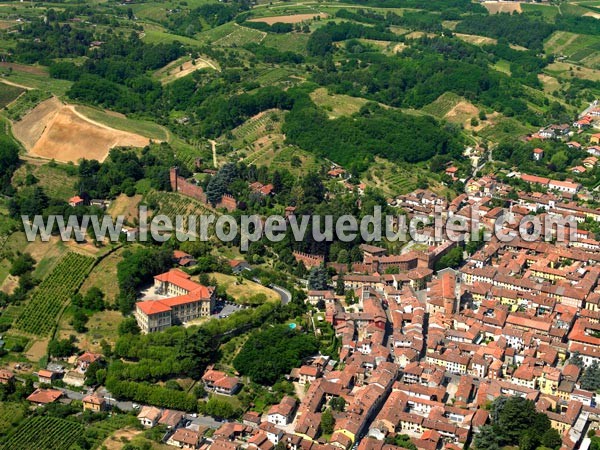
119, 438
476, 39
37, 350
125, 206
398, 48
462, 109
502, 7
56, 131
4, 24
30, 128
293, 18
592, 14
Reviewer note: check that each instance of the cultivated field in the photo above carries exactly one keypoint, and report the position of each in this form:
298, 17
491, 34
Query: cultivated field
53, 130
9, 93
475, 39
443, 104
337, 105
462, 112
502, 7
181, 68
240, 36
53, 294
293, 18
125, 206
56, 181
44, 432
566, 70
579, 48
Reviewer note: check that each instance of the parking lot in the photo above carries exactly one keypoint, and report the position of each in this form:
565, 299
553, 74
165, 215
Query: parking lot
225, 309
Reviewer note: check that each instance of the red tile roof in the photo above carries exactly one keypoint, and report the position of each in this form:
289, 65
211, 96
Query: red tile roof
44, 396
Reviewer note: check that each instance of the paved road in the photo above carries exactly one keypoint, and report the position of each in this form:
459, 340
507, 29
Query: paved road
285, 295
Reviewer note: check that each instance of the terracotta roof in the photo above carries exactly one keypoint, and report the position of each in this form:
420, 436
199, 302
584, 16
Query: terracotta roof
45, 396
93, 399
186, 436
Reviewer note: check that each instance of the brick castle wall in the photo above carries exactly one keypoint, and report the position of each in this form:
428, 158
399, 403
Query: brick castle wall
181, 185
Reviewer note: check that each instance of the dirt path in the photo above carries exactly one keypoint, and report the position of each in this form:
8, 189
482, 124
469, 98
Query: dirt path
16, 85
213, 144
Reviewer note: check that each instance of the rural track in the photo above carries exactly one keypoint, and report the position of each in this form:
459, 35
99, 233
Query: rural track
213, 144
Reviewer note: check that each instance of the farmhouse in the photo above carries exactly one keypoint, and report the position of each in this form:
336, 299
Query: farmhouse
188, 300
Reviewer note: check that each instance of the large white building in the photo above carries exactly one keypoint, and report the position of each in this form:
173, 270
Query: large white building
189, 301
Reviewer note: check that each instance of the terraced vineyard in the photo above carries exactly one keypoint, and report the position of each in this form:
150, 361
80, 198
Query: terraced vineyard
54, 293
171, 205
43, 433
257, 126
240, 36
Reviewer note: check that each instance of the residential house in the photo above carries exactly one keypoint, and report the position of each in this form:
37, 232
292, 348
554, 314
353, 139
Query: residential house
76, 201
47, 376
149, 416
185, 438
283, 412
94, 403
44, 396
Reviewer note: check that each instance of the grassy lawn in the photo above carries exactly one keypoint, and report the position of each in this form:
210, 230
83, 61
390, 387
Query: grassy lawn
549, 12
103, 276
120, 122
55, 181
502, 66
101, 325
294, 42
233, 400
9, 245
154, 34
567, 70
239, 36
45, 83
243, 290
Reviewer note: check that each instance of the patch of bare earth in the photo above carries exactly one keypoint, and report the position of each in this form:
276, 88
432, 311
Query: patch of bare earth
502, 7
184, 69
29, 129
23, 68
125, 206
120, 438
56, 131
293, 18
461, 110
